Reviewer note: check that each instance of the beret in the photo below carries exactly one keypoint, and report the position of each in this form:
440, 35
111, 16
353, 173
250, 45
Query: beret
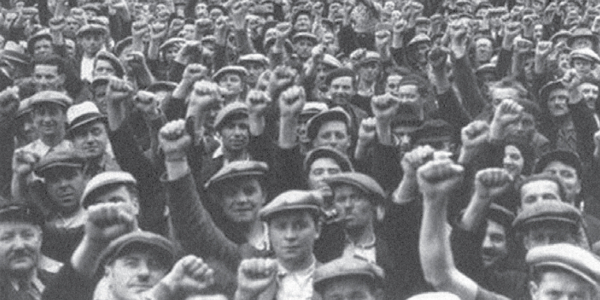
51, 97
292, 200
315, 123
83, 113
435, 296
570, 258
142, 239
238, 169
550, 210
89, 28
585, 53
548, 88
305, 35
105, 179
21, 212
567, 157
254, 57
340, 158
359, 180
347, 267
231, 109
241, 71
64, 158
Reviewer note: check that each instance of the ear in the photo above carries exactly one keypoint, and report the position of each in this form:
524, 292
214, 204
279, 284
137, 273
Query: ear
533, 289
61, 79
380, 212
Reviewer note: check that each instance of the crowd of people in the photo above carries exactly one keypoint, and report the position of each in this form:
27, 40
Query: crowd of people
299, 149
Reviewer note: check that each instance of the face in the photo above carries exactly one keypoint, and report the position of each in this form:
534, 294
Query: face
242, 201
171, 53
499, 94
187, 32
235, 134
70, 47
201, 11
302, 23
538, 32
582, 66
569, 177
357, 211
348, 288
104, 68
333, 134
582, 43
65, 187
524, 128
539, 190
557, 102
47, 78
49, 119
513, 161
254, 70
92, 139
369, 71
493, 248
341, 90
42, 48
232, 83
91, 43
135, 273
320, 169
422, 28
422, 51
20, 246
214, 14
548, 234
403, 138
561, 285
392, 85
26, 128
590, 94
409, 94
483, 50
119, 194
292, 235
303, 48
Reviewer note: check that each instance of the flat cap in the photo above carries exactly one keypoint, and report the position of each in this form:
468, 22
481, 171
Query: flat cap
24, 107
305, 36
254, 57
141, 240
548, 88
486, 68
100, 81
92, 28
121, 45
422, 20
434, 131
570, 258
104, 179
51, 97
501, 214
238, 169
93, 7
315, 123
292, 200
580, 32
313, 108
70, 158
370, 56
15, 57
21, 212
332, 62
158, 86
347, 267
176, 41
566, 157
420, 38
435, 296
560, 34
337, 73
113, 60
40, 35
327, 152
548, 211
239, 70
361, 181
586, 54
83, 113
230, 110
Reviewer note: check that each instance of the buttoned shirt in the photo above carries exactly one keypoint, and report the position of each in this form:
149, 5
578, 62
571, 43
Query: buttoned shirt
365, 251
297, 285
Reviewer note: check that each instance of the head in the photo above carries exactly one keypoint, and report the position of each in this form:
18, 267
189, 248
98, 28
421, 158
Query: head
322, 163
91, 42
302, 22
506, 89
495, 243
583, 66
341, 85
554, 282
255, 69
91, 139
50, 119
99, 93
349, 278
404, 132
232, 82
589, 90
49, 73
107, 64
241, 198
525, 127
369, 69
419, 51
484, 49
303, 46
350, 287
567, 167
20, 240
330, 129
235, 132
540, 187
518, 158
112, 187
64, 179
42, 46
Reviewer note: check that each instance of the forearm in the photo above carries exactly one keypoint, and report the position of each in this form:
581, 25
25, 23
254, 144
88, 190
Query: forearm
407, 191
384, 131
86, 258
287, 132
116, 115
257, 124
475, 213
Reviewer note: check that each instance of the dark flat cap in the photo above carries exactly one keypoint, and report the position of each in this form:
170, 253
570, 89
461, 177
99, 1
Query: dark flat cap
238, 169
104, 179
293, 200
21, 213
359, 180
340, 158
567, 157
65, 158
315, 123
548, 88
230, 110
347, 267
143, 240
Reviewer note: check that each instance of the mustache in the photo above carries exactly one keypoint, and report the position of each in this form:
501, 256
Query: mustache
21, 253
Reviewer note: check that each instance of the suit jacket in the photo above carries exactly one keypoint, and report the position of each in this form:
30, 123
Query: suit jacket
8, 292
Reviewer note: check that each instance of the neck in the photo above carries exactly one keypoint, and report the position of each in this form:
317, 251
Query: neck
254, 231
233, 155
361, 236
298, 264
25, 275
52, 139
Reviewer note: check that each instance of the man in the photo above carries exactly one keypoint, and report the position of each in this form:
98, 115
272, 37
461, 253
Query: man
88, 133
293, 221
91, 38
136, 263
330, 128
256, 64
349, 277
303, 43
107, 64
342, 91
49, 74
20, 252
40, 44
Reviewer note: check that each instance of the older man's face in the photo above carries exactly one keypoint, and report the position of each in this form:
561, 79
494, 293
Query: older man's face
561, 285
590, 94
20, 246
134, 273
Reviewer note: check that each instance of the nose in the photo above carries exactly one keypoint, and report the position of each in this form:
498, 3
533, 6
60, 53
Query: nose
487, 243
143, 272
19, 242
90, 137
290, 233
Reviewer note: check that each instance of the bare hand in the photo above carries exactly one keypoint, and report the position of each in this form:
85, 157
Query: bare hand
438, 178
413, 160
384, 107
475, 134
108, 221
118, 90
174, 140
291, 101
257, 102
24, 162
190, 276
492, 182
366, 131
255, 275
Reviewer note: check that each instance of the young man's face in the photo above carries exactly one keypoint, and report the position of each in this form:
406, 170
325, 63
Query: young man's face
104, 68
255, 69
42, 48
392, 85
548, 233
590, 94
369, 71
20, 246
65, 186
49, 119
494, 247
320, 169
91, 43
232, 83
561, 285
235, 134
47, 78
302, 23
513, 161
333, 134
242, 199
303, 48
539, 190
135, 273
409, 93
483, 50
341, 90
355, 208
292, 235
582, 66
92, 139
568, 175
348, 288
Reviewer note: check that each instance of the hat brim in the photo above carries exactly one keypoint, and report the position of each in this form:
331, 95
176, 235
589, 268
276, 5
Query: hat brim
568, 268
268, 215
317, 121
212, 183
86, 121
58, 164
48, 101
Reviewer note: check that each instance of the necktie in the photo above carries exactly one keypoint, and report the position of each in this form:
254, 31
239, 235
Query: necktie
25, 290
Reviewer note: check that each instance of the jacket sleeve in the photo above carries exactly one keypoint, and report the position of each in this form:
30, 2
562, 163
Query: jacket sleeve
585, 127
466, 82
69, 285
193, 225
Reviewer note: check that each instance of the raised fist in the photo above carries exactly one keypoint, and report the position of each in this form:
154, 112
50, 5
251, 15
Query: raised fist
108, 221
506, 113
9, 101
135, 60
281, 76
474, 134
194, 72
411, 161
57, 24
190, 276
385, 107
543, 48
291, 101
257, 102
174, 140
437, 58
118, 90
24, 162
139, 29
255, 275
438, 178
146, 102
491, 182
367, 131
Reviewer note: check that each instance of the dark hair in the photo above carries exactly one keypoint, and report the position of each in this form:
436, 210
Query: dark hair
527, 152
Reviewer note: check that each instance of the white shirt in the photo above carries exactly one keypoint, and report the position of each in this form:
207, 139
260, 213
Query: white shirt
87, 68
296, 285
38, 147
366, 252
